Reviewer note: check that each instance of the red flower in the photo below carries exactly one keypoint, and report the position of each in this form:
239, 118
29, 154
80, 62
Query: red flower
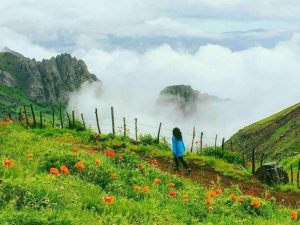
30, 156
208, 202
110, 153
211, 193
219, 191
8, 163
98, 161
109, 199
255, 203
80, 165
172, 193
232, 196
251, 192
171, 185
154, 162
54, 171
146, 189
113, 175
294, 215
75, 151
185, 196
64, 169
156, 181
136, 187
2, 123
139, 166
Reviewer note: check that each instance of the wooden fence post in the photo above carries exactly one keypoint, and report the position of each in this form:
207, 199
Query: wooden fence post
69, 120
97, 119
158, 133
41, 120
231, 145
20, 115
33, 115
83, 123
136, 131
73, 119
216, 139
194, 133
223, 144
292, 174
201, 141
262, 158
113, 120
61, 118
124, 126
253, 160
26, 117
9, 116
53, 116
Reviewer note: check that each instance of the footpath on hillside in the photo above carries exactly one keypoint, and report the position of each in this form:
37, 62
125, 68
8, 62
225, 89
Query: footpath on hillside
205, 175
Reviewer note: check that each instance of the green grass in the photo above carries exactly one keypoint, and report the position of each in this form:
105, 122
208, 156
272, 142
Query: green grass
30, 195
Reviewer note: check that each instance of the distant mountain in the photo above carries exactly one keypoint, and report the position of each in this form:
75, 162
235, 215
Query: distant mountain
50, 80
276, 136
184, 98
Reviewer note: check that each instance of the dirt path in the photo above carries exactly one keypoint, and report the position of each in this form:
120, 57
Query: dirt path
205, 174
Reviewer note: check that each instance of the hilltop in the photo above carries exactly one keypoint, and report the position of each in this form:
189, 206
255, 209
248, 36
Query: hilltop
46, 81
276, 136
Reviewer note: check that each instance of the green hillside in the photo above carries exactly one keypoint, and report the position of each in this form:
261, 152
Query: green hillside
276, 136
112, 184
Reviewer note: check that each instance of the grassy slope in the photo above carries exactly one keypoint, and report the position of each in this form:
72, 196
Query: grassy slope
277, 136
30, 195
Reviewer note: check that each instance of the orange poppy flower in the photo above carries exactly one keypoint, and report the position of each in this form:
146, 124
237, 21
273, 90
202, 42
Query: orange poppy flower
208, 202
232, 196
113, 175
110, 153
172, 193
255, 203
219, 191
171, 185
136, 187
211, 193
154, 162
64, 169
139, 166
75, 151
251, 192
2, 123
8, 163
80, 165
185, 196
54, 171
240, 200
146, 189
156, 181
294, 215
98, 162
109, 199
30, 156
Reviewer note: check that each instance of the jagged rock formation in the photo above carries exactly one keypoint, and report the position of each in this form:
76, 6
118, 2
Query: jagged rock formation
184, 98
50, 80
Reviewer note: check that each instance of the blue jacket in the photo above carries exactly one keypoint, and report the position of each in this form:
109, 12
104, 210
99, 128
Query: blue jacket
177, 147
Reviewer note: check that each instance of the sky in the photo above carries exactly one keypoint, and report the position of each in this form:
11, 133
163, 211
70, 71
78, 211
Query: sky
248, 52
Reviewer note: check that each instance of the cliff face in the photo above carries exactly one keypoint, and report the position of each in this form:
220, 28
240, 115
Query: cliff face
184, 98
48, 81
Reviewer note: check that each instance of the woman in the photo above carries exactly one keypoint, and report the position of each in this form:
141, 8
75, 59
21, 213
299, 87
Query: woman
178, 149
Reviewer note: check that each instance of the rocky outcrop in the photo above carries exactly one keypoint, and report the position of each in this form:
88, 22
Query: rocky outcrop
50, 80
184, 98
271, 174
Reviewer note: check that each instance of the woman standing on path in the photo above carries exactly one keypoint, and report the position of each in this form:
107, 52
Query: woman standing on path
178, 150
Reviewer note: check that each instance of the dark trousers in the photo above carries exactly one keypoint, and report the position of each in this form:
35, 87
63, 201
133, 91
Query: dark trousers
177, 159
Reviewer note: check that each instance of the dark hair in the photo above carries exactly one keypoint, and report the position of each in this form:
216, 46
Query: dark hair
177, 133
